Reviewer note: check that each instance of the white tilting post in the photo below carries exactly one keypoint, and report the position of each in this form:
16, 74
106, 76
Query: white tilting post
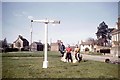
46, 21
45, 62
31, 35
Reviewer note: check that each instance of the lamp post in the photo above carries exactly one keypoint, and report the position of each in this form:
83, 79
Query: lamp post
46, 21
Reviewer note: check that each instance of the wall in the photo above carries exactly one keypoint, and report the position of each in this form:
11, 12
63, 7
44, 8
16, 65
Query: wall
54, 48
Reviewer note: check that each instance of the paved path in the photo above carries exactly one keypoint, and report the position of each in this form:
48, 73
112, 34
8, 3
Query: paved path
99, 57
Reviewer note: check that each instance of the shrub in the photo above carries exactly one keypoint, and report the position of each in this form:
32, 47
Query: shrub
15, 49
104, 50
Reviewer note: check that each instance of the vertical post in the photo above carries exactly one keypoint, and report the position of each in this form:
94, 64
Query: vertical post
45, 62
46, 21
30, 35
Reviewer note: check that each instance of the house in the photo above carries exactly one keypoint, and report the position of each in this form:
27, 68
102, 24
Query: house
55, 46
86, 46
37, 46
21, 43
116, 40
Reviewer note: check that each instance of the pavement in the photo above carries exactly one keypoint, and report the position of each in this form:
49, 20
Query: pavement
100, 57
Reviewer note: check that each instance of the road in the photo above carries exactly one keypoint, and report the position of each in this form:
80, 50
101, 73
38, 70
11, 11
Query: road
99, 57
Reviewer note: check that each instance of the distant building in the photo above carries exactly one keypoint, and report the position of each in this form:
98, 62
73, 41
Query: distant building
55, 46
21, 43
37, 46
116, 40
86, 46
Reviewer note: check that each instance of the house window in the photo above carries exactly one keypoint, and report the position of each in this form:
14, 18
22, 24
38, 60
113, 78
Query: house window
114, 37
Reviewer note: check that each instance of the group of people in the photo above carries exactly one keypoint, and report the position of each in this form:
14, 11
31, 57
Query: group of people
69, 55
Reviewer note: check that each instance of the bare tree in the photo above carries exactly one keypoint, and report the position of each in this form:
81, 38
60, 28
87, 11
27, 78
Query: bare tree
92, 40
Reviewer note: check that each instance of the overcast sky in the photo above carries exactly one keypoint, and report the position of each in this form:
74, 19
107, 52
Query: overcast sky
79, 20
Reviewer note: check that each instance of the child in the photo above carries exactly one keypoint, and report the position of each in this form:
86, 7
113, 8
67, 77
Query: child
68, 53
77, 53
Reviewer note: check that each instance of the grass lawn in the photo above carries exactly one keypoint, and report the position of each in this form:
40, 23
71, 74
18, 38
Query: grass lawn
29, 65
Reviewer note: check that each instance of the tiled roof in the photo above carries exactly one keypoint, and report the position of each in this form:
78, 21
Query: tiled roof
116, 31
38, 43
23, 39
86, 43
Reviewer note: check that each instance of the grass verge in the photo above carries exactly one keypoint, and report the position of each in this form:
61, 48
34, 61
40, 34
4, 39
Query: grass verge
29, 65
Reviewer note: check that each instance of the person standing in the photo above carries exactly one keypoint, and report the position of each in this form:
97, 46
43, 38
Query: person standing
77, 53
68, 53
62, 49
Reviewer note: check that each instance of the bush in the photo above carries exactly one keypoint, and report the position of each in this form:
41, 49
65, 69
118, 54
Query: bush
15, 49
24, 49
104, 50
9, 50
1, 50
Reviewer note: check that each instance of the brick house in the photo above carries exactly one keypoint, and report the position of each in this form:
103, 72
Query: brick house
37, 46
55, 46
21, 43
